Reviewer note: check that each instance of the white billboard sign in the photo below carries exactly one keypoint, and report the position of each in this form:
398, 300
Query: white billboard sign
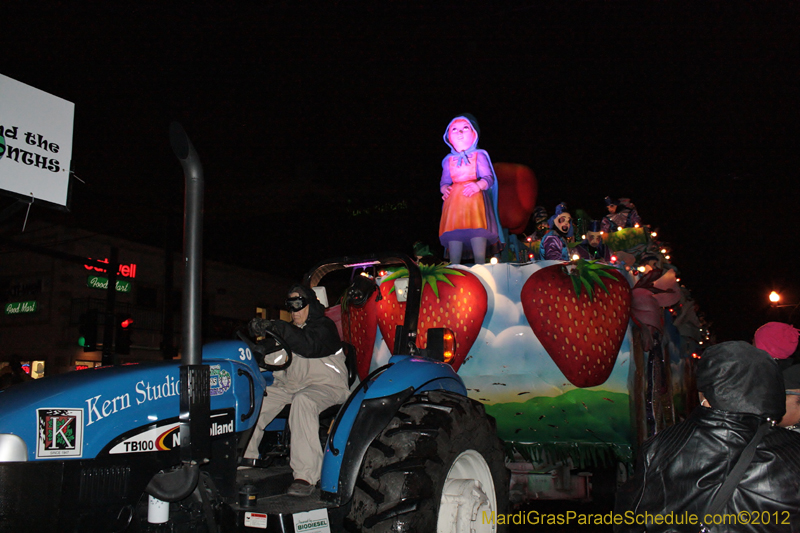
35, 142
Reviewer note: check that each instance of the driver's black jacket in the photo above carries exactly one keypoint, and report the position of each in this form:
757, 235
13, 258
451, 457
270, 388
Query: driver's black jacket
318, 338
680, 469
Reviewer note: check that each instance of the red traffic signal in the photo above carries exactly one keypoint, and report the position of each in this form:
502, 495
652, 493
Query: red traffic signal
122, 335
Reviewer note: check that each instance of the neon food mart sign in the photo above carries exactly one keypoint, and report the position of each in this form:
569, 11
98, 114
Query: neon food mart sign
97, 282
128, 271
19, 308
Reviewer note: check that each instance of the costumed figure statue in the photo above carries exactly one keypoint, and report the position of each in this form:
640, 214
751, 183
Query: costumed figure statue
540, 223
554, 243
469, 191
592, 247
621, 214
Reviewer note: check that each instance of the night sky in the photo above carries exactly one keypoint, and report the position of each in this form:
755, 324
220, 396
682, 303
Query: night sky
320, 128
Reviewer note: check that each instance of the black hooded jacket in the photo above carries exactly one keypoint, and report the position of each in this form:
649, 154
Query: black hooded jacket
680, 469
318, 338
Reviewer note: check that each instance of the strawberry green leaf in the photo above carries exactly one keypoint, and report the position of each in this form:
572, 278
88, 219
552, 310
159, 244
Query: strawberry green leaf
576, 284
589, 288
588, 275
594, 280
399, 273
431, 275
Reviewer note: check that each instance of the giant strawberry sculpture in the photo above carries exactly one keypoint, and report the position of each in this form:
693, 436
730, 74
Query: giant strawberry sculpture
579, 312
359, 328
451, 298
517, 189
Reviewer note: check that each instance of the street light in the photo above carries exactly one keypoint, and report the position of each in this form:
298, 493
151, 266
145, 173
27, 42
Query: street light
775, 298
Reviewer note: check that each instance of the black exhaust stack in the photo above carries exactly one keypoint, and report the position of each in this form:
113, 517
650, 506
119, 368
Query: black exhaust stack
195, 377
195, 404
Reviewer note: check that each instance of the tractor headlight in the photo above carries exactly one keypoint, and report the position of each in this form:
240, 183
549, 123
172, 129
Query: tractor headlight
12, 448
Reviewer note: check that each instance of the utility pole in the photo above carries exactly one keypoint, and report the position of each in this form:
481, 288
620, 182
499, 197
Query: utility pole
111, 299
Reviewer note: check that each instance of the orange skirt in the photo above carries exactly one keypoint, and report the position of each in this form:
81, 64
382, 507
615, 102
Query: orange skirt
462, 213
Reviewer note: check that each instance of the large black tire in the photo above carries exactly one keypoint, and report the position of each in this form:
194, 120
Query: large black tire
399, 488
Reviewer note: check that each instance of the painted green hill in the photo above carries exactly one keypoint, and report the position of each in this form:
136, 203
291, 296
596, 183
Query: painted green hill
583, 424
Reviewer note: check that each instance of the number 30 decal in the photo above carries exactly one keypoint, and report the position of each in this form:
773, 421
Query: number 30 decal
245, 354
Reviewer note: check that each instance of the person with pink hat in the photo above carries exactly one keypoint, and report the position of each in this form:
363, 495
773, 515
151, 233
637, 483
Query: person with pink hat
779, 340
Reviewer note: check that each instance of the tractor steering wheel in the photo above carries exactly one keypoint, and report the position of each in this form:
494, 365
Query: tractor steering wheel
272, 358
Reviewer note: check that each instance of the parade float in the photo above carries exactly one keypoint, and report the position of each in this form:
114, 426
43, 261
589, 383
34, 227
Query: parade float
578, 361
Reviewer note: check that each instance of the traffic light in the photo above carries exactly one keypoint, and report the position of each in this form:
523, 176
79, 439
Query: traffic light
87, 331
122, 336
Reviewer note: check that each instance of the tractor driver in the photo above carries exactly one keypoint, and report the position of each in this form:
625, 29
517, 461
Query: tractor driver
315, 380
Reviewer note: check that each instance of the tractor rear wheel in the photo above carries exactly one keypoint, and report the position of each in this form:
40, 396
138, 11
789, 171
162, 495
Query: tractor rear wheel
437, 466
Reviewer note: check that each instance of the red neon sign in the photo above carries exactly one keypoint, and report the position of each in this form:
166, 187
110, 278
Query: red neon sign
128, 271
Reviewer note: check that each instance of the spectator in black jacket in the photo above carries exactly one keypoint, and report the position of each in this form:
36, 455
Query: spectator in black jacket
681, 469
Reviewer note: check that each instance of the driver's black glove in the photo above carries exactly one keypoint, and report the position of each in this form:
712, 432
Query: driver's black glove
259, 326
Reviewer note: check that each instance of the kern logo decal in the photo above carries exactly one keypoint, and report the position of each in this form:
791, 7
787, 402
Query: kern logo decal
165, 438
59, 433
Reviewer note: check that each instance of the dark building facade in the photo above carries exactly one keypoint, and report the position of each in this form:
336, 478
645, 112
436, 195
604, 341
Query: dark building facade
51, 299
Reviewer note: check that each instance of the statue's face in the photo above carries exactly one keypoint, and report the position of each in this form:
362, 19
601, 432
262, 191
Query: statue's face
595, 238
461, 135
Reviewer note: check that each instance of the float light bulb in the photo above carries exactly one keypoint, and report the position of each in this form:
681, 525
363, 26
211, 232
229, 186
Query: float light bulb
774, 297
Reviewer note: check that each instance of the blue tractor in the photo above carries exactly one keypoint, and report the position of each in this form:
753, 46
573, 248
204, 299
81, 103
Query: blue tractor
157, 446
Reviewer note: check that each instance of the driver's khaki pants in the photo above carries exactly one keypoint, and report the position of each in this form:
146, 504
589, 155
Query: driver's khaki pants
307, 404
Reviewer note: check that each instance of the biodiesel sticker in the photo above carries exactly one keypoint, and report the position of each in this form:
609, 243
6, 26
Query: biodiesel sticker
220, 380
59, 433
315, 521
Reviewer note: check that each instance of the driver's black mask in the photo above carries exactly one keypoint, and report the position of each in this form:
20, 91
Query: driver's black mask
296, 303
